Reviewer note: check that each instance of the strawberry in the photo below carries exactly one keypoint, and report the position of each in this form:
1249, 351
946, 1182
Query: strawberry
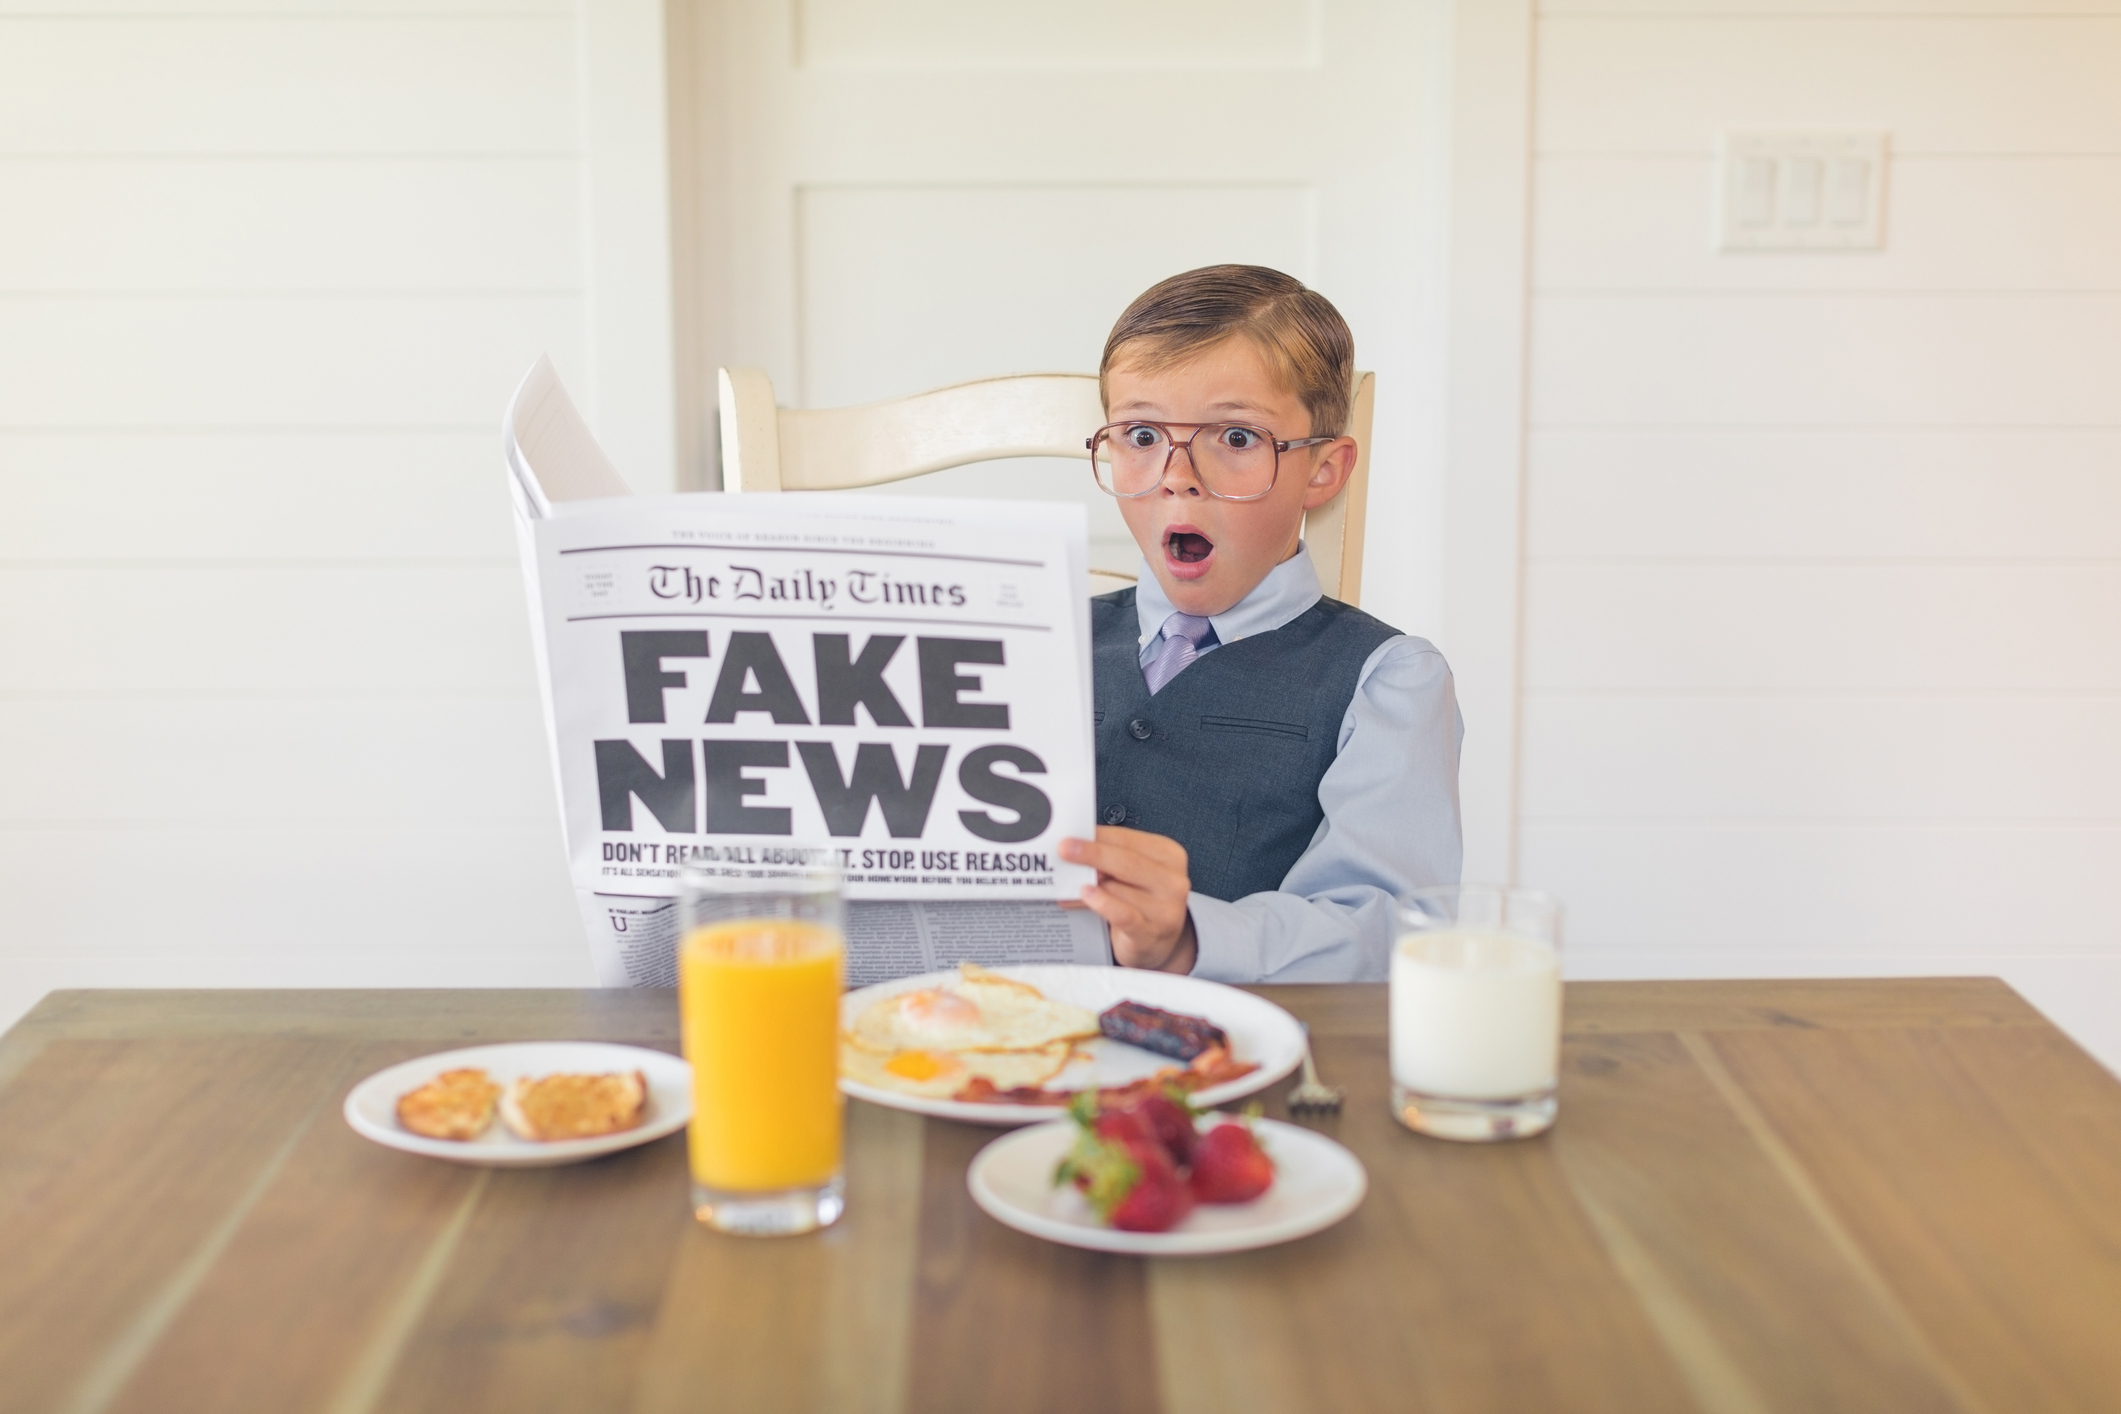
1158, 1201
1172, 1122
1150, 1119
1229, 1166
1101, 1171
1126, 1126
1122, 1167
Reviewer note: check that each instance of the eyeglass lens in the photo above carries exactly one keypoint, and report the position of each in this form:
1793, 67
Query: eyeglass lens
1230, 458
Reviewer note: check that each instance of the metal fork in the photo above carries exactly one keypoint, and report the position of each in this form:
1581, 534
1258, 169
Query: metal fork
1312, 1095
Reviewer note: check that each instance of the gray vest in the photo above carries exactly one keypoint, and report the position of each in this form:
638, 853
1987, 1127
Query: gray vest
1227, 758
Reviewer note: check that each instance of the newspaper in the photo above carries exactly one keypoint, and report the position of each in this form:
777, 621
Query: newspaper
739, 683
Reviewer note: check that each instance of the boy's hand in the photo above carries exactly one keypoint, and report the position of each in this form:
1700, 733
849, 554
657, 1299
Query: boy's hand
1141, 892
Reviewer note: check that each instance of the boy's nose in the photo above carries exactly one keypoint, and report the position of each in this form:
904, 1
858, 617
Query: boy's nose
1176, 481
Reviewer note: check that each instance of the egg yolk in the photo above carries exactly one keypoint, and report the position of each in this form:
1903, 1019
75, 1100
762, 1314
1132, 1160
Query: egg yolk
917, 1065
937, 1010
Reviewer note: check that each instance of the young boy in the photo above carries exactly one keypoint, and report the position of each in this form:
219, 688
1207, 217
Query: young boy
1273, 766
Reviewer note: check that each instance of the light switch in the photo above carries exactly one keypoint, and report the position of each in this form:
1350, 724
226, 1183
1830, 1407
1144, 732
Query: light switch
1756, 202
1848, 195
1801, 190
1802, 176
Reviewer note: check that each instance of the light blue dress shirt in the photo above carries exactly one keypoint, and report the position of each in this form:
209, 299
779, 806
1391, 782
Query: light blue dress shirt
1390, 800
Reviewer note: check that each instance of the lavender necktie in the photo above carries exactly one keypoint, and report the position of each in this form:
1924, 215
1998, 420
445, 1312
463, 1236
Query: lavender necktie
1183, 636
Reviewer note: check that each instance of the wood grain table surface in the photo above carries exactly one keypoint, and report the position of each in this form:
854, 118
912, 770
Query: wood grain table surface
1848, 1195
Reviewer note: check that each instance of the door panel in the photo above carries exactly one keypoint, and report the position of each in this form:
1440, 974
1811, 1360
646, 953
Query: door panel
895, 197
1088, 34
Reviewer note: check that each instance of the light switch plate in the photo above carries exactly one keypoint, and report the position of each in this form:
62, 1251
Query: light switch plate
1801, 190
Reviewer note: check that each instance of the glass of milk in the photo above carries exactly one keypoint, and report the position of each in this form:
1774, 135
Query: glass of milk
1476, 1011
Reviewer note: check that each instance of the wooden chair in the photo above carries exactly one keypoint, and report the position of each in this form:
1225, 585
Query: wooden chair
771, 448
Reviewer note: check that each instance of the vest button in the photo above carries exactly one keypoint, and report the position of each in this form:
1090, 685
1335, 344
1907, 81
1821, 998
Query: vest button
1115, 815
1140, 730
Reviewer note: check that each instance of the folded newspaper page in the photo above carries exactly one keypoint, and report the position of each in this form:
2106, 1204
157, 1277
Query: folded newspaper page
737, 682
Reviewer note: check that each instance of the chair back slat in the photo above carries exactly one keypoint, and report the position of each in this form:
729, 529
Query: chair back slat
1333, 532
1031, 415
765, 448
751, 435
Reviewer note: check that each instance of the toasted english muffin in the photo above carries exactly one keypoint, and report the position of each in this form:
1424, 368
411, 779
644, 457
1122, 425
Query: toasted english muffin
575, 1106
457, 1104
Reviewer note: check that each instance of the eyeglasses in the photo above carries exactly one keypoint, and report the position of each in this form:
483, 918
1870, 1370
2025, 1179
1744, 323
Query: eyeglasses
1236, 462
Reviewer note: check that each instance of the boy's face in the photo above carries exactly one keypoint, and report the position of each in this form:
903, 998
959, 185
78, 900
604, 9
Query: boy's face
1209, 553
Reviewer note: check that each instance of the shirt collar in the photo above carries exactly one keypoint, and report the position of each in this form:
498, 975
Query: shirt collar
1289, 589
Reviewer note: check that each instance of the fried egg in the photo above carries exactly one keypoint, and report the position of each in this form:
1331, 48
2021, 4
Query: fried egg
975, 1011
937, 1075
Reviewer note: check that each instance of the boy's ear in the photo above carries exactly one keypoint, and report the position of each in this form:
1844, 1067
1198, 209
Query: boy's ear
1335, 464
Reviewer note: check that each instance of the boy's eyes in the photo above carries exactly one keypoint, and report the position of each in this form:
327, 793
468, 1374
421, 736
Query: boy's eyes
1236, 438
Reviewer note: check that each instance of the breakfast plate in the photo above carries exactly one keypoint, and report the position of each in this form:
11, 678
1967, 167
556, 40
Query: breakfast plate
371, 1106
1316, 1184
1260, 1032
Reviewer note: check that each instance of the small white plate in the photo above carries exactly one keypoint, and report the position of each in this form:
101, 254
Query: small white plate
1259, 1031
1316, 1184
372, 1106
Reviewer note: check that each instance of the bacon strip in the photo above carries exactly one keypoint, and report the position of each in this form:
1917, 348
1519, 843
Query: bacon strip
1214, 1066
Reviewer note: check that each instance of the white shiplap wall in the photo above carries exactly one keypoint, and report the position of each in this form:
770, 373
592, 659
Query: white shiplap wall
267, 277
1822, 654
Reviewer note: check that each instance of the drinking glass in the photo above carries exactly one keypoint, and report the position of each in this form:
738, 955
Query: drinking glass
1476, 1012
760, 958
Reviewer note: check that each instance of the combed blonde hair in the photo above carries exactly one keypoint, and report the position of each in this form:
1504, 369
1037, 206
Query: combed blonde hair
1305, 340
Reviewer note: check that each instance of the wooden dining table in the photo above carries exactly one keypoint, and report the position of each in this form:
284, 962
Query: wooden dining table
1776, 1195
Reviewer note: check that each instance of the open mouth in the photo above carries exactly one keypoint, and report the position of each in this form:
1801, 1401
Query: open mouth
1188, 547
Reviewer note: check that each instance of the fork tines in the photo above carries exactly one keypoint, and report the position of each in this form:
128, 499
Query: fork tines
1315, 1099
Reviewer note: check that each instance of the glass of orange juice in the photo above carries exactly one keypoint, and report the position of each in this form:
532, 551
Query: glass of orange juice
760, 959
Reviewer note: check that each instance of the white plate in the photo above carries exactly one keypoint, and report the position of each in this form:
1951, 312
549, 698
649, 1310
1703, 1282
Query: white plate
372, 1106
1258, 1030
1316, 1184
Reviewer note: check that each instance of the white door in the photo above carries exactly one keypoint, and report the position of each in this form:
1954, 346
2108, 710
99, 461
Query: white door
894, 197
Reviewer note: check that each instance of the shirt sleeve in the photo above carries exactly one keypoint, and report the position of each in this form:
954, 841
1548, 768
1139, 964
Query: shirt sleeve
1391, 824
